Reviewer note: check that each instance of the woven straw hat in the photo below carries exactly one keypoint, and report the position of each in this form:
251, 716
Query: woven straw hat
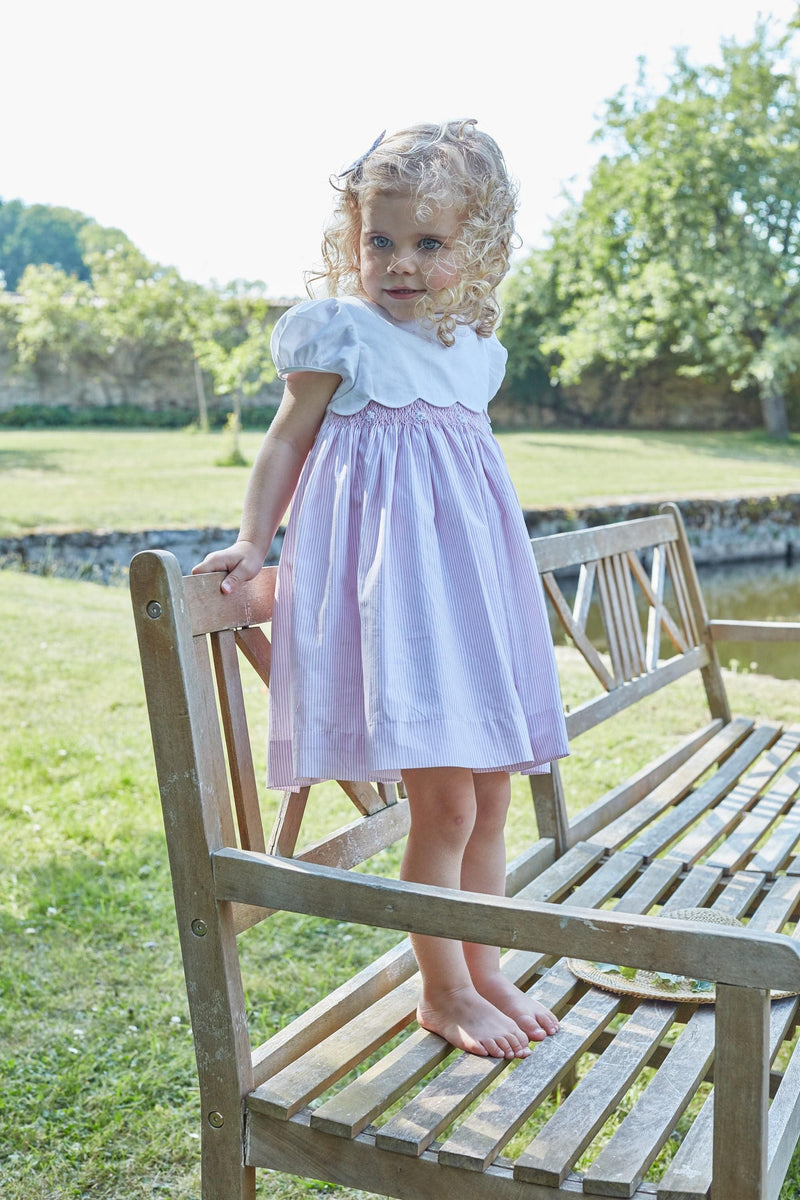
651, 985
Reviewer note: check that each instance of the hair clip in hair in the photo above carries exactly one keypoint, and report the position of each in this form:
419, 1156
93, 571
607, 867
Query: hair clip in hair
354, 166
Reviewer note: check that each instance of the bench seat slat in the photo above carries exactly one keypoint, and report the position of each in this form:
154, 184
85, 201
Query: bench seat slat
332, 1054
419, 1122
354, 1106
596, 817
764, 821
550, 1156
688, 1176
719, 822
675, 786
625, 1159
658, 835
694, 891
481, 1137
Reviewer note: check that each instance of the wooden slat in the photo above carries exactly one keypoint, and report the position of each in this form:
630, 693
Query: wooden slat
528, 864
560, 550
237, 739
594, 819
735, 850
210, 610
376, 980
583, 594
576, 631
354, 1106
360, 841
773, 855
609, 608
286, 1092
755, 631
688, 1176
626, 1157
695, 890
550, 1156
630, 613
255, 646
481, 1137
286, 828
587, 715
366, 798
682, 600
712, 675
654, 622
674, 787
717, 823
658, 835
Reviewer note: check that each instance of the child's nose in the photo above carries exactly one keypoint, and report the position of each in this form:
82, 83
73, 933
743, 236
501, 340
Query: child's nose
403, 264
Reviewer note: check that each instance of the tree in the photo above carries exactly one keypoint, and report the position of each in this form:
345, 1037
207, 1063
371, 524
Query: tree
686, 243
56, 320
232, 342
40, 234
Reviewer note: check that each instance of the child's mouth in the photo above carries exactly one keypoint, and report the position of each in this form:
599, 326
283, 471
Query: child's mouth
403, 293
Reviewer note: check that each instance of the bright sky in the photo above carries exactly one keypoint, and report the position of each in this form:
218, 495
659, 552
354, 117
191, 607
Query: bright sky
207, 131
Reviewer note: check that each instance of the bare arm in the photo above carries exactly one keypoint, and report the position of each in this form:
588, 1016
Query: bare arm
274, 476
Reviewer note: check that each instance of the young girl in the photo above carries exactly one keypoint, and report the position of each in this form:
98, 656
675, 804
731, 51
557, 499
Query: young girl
409, 630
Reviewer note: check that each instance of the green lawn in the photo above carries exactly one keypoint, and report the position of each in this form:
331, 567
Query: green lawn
100, 479
98, 1095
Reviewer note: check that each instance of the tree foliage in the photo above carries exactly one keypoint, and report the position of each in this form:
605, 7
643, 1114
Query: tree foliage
40, 233
686, 243
129, 311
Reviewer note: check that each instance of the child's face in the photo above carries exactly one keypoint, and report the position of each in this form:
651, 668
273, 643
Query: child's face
403, 258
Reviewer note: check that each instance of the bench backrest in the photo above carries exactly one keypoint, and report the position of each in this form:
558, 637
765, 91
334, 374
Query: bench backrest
640, 578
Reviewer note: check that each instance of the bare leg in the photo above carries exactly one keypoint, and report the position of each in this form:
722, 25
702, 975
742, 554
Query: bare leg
483, 869
443, 810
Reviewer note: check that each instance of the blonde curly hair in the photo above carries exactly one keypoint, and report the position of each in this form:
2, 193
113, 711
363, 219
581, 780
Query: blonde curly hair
448, 166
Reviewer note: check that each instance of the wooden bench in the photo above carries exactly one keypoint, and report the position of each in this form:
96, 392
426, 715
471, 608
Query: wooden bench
351, 1091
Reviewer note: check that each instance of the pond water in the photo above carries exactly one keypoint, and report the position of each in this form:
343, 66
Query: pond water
756, 591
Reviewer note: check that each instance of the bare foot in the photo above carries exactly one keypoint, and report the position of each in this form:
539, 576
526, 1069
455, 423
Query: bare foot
470, 1022
536, 1021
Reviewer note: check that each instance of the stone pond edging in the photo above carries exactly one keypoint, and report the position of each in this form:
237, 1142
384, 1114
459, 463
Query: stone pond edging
720, 531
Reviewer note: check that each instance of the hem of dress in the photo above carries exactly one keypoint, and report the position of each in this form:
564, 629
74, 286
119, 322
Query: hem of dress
277, 782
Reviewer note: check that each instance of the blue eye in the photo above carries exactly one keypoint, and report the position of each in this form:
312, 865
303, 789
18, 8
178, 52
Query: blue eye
430, 243
380, 242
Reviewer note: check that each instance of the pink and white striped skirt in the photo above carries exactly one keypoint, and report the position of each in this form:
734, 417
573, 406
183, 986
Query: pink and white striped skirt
409, 626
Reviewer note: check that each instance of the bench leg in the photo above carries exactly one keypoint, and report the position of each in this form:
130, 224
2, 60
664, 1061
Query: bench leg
224, 1175
741, 1094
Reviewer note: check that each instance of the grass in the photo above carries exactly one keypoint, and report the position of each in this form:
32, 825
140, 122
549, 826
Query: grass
98, 1094
98, 1084
136, 479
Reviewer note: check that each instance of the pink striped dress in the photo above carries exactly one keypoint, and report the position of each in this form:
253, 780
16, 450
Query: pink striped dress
409, 626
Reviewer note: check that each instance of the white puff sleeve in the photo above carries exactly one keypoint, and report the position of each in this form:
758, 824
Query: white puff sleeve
317, 335
497, 356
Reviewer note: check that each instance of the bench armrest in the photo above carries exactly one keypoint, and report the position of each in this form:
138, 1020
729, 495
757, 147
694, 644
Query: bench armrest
755, 631
716, 953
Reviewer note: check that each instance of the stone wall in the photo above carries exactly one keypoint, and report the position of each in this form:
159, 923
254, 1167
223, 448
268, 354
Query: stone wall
743, 530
